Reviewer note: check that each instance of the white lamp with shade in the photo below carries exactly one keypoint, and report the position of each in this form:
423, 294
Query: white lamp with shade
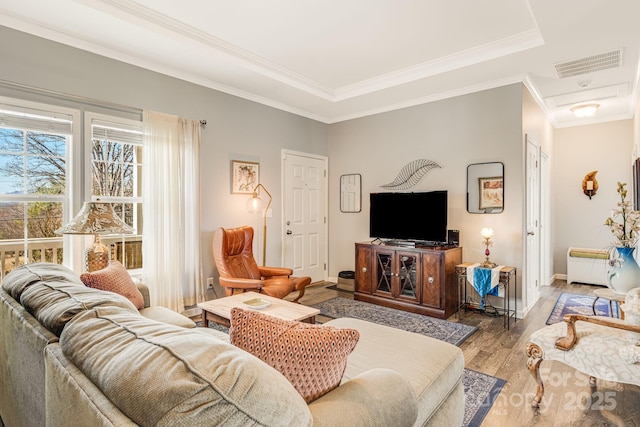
97, 218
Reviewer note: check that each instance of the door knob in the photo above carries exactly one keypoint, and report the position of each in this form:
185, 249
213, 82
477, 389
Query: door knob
530, 233
289, 232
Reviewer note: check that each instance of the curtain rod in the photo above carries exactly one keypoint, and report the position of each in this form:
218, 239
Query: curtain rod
69, 97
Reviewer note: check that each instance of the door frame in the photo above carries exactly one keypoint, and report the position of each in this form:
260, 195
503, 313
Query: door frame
529, 294
283, 154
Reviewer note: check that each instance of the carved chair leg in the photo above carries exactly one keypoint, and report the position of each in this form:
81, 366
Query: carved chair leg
534, 353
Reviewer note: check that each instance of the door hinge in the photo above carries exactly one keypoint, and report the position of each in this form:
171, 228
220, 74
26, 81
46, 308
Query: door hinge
325, 219
325, 173
325, 266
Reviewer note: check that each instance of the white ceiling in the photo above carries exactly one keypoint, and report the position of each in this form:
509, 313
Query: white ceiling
334, 60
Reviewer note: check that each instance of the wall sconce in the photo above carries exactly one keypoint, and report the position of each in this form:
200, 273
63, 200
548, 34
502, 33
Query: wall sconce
256, 205
589, 184
487, 234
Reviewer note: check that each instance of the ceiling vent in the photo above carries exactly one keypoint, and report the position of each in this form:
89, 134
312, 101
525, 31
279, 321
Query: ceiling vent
602, 61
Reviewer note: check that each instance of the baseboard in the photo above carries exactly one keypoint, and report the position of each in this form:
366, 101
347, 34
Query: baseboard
559, 276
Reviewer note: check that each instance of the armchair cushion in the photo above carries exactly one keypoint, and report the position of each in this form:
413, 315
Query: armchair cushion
114, 278
312, 357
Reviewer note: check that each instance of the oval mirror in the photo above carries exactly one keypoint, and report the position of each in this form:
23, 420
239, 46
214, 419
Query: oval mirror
485, 188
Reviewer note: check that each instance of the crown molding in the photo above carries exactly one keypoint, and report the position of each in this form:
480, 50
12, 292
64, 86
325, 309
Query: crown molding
486, 52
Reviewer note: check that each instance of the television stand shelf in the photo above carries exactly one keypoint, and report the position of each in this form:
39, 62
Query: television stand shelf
416, 279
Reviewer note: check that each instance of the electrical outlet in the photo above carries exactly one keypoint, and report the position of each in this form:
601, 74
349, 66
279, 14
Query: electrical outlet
210, 283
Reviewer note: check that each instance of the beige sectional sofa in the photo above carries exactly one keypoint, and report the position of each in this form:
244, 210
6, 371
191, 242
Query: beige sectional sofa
72, 355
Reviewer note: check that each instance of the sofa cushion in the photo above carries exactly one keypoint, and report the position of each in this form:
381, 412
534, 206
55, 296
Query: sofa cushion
53, 294
312, 357
114, 278
159, 374
166, 315
434, 378
24, 276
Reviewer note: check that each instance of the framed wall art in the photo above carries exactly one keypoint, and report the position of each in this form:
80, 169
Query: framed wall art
491, 192
244, 176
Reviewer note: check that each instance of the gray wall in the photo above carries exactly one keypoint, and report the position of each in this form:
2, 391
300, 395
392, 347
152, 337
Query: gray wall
236, 129
475, 128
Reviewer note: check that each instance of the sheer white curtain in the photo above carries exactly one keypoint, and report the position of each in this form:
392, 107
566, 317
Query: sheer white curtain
171, 210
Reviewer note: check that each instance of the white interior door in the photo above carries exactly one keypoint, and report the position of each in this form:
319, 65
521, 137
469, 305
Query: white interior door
532, 257
305, 214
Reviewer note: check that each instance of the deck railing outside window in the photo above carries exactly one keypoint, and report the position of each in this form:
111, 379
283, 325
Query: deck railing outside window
14, 254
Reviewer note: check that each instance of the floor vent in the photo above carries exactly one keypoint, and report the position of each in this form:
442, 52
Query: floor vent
602, 61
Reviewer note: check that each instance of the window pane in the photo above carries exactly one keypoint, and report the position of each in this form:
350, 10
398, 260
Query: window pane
45, 168
43, 218
11, 221
113, 169
128, 252
11, 174
43, 144
45, 175
11, 140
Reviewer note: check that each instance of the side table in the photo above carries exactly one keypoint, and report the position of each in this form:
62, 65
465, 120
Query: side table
507, 275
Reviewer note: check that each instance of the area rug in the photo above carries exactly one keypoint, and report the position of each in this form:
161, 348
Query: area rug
480, 392
569, 303
453, 333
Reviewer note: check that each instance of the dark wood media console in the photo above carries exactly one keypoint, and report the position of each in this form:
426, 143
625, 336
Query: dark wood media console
418, 279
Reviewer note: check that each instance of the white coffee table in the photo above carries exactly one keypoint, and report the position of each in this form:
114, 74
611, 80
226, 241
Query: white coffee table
219, 310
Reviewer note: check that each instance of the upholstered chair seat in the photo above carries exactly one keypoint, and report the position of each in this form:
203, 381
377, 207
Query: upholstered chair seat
233, 255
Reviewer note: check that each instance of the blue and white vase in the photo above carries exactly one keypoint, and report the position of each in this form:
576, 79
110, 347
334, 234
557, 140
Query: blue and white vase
625, 273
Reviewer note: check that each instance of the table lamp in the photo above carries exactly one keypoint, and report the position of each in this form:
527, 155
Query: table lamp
487, 234
96, 218
255, 205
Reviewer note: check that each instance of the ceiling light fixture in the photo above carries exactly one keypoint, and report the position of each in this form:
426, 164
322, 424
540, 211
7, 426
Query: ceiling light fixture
584, 110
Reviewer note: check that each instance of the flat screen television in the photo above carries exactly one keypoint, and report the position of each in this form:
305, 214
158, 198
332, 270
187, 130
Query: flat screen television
409, 216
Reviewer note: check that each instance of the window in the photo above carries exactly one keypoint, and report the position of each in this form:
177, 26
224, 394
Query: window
35, 142
116, 152
44, 179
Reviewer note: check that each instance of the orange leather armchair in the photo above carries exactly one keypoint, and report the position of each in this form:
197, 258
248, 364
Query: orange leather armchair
233, 254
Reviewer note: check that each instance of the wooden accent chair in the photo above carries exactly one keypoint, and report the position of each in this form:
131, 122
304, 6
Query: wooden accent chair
233, 254
594, 346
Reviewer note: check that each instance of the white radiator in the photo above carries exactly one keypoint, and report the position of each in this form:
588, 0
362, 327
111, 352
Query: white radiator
586, 265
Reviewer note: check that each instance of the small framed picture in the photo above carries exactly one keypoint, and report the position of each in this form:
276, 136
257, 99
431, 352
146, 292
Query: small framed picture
244, 176
491, 193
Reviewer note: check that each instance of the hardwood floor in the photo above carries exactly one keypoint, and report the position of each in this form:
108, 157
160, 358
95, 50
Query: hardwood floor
568, 400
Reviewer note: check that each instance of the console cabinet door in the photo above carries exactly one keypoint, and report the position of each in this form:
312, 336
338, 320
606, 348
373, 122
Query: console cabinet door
363, 269
408, 276
384, 275
431, 280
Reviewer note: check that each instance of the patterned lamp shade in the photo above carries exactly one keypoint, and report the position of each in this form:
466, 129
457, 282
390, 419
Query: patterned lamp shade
96, 218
